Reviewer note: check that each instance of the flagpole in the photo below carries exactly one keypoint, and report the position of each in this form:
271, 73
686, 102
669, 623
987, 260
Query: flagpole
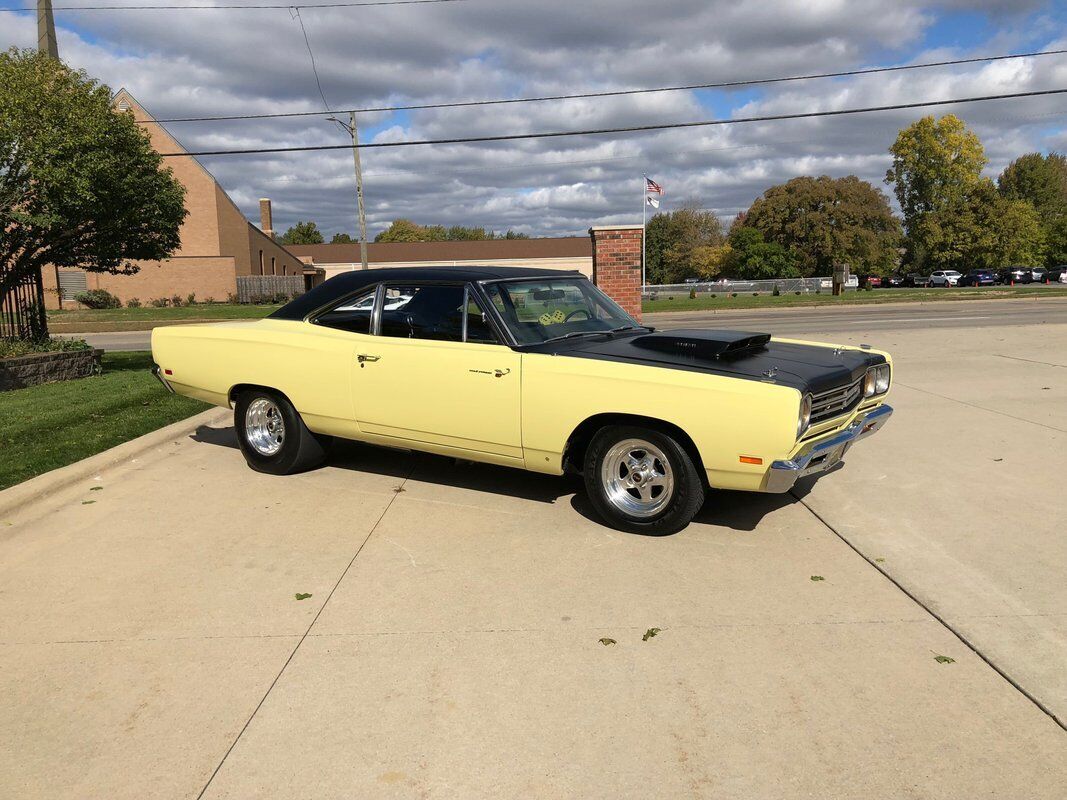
644, 216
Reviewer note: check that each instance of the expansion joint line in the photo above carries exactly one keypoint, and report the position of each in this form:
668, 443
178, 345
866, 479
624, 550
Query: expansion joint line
944, 622
318, 613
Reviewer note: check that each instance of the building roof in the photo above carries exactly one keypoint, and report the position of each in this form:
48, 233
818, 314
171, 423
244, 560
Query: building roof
487, 250
348, 282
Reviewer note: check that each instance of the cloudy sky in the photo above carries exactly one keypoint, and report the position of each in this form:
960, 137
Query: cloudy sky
183, 63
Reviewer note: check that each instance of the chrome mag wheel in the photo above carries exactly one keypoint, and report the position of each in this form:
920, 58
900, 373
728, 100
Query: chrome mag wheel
637, 478
264, 426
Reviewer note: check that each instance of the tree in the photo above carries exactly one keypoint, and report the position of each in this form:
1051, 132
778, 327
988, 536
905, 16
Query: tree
303, 233
403, 230
753, 258
936, 164
342, 238
1041, 180
80, 185
826, 221
676, 244
982, 230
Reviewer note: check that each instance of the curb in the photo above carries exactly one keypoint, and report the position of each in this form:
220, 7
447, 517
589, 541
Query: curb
17, 497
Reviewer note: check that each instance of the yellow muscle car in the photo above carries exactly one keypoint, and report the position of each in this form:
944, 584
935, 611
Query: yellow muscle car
536, 369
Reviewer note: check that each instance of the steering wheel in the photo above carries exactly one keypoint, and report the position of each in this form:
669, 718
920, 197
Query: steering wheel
577, 311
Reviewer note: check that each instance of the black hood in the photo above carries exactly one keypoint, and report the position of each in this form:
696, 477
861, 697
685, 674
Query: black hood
740, 354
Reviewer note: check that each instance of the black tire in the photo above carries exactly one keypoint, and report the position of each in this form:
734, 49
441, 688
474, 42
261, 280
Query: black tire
298, 449
676, 511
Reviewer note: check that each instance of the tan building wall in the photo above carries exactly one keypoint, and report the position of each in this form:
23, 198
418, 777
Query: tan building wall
217, 242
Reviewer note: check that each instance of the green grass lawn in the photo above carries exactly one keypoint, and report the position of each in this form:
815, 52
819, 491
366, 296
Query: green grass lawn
142, 319
49, 426
705, 302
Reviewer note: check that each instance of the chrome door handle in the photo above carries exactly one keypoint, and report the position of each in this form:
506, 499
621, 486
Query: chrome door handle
362, 357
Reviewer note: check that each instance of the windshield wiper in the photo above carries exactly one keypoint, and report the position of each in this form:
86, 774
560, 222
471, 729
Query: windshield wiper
572, 335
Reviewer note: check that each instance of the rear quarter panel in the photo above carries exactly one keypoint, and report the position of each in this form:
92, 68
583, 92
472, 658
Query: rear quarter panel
725, 417
310, 365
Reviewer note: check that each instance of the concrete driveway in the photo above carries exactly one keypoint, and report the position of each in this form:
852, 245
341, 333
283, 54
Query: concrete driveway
151, 644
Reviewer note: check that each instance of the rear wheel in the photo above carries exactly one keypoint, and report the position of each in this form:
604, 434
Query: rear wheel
273, 437
642, 481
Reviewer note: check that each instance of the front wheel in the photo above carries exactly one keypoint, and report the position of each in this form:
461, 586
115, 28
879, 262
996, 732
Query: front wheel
273, 437
642, 481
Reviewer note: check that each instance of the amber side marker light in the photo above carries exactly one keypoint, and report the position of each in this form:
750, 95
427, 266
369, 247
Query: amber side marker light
751, 460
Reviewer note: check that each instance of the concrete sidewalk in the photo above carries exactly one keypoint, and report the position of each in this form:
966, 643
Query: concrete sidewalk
151, 644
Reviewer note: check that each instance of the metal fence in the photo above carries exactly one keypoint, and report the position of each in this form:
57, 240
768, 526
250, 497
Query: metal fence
784, 286
22, 313
268, 288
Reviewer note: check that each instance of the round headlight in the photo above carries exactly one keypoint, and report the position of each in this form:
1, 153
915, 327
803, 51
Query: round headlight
869, 382
881, 381
805, 415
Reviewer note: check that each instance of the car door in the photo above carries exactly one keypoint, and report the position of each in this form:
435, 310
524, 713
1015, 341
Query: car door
436, 375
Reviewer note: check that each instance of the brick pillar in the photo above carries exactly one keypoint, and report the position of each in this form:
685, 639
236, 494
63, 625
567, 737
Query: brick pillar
617, 264
266, 217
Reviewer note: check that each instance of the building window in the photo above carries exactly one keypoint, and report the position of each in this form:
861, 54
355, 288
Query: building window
272, 269
71, 282
260, 262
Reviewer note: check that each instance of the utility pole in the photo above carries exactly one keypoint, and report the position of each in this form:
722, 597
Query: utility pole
353, 131
46, 29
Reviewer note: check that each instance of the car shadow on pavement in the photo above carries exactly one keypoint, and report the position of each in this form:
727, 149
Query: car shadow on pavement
739, 511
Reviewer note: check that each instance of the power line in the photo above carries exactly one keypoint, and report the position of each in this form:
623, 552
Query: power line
296, 12
629, 129
626, 92
238, 8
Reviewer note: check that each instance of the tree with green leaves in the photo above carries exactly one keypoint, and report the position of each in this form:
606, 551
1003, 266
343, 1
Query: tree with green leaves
982, 230
80, 185
825, 221
1041, 180
753, 258
680, 244
342, 238
303, 233
404, 230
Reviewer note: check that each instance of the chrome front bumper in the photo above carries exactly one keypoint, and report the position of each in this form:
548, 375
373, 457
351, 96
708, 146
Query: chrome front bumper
820, 456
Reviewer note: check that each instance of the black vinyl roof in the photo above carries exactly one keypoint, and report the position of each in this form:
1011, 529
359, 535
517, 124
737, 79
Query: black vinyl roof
348, 282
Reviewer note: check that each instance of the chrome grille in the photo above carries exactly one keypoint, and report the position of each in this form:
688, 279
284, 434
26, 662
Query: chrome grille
834, 402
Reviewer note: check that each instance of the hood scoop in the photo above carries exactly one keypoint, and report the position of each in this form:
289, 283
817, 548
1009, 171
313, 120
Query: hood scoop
706, 344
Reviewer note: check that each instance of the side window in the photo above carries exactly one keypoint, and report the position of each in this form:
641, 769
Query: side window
478, 327
352, 315
423, 312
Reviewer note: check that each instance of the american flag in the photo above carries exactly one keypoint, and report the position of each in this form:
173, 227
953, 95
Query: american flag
652, 186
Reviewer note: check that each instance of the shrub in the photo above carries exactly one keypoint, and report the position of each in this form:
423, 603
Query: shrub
692, 294
133, 302
777, 292
176, 301
190, 300
714, 295
755, 294
232, 299
797, 292
12, 348
98, 298
733, 294
159, 302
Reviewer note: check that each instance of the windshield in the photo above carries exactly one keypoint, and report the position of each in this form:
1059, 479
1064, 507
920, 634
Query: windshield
537, 311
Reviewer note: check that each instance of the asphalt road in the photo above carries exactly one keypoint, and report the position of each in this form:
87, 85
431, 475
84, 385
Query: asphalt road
793, 321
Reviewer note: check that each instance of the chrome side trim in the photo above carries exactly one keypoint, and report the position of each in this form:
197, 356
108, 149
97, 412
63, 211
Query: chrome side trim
819, 455
159, 376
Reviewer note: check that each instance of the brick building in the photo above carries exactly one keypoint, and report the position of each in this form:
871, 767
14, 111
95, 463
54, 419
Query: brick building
218, 243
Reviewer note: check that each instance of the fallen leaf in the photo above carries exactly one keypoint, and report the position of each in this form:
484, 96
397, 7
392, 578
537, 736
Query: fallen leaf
1045, 387
649, 634
399, 489
817, 578
606, 641
302, 595
944, 660
88, 502
998, 459
880, 560
96, 488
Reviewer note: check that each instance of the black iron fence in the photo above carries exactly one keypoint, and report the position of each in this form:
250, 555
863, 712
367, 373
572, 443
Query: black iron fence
22, 312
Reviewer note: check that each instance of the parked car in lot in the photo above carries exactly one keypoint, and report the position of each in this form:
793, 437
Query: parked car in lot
1016, 275
1038, 274
895, 281
944, 277
916, 280
874, 281
1058, 274
535, 369
978, 277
